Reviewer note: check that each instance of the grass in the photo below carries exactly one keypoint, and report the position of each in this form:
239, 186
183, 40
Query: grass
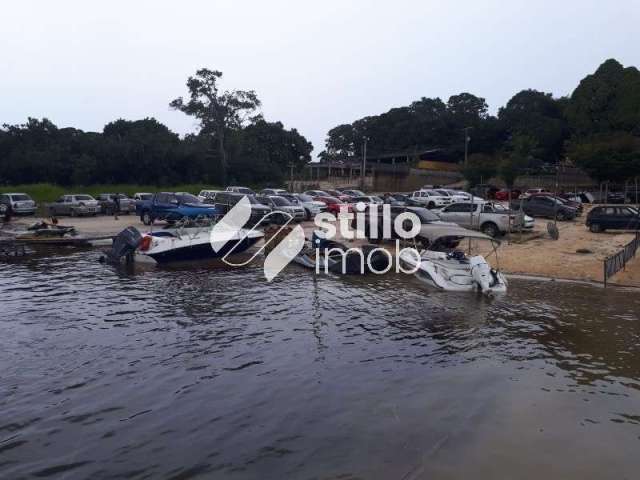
47, 192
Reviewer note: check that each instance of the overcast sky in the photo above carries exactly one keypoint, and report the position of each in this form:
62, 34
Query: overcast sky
314, 65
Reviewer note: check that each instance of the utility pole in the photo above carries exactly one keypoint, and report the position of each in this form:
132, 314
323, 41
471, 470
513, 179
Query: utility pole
291, 177
364, 162
467, 138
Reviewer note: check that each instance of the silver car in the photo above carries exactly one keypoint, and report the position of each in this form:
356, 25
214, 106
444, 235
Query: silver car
18, 203
74, 205
280, 204
311, 207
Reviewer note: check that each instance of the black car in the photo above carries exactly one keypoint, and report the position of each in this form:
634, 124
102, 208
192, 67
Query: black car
613, 218
545, 206
224, 201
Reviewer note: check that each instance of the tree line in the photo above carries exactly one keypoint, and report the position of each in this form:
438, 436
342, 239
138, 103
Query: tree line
234, 144
597, 128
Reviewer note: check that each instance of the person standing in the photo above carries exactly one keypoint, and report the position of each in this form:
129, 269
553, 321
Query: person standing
116, 205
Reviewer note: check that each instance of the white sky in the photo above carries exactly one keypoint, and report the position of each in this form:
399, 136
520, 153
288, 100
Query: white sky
314, 65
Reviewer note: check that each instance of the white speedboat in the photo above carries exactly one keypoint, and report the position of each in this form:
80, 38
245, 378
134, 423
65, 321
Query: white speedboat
181, 244
444, 267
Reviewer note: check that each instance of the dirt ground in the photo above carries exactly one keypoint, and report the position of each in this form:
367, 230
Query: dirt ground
531, 253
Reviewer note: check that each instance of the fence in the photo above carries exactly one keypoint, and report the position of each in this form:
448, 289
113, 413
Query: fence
617, 262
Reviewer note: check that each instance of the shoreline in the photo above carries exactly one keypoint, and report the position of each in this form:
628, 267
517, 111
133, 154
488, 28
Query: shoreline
531, 255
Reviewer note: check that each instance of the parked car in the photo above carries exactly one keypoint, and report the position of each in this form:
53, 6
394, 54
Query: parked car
490, 218
402, 199
225, 201
608, 217
245, 190
534, 191
353, 193
367, 200
430, 199
454, 195
18, 203
580, 197
334, 204
108, 204
312, 207
272, 191
171, 207
281, 205
503, 195
74, 205
206, 195
570, 203
425, 216
317, 193
142, 196
545, 206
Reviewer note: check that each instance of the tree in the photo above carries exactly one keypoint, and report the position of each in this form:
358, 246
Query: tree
518, 157
608, 157
540, 116
218, 112
480, 168
606, 101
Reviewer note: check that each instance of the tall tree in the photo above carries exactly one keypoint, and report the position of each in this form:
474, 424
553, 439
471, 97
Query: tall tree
217, 111
540, 116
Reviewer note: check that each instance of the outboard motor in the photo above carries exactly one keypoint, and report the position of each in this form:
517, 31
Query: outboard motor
124, 245
481, 273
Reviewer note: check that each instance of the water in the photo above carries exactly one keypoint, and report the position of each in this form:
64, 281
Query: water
207, 372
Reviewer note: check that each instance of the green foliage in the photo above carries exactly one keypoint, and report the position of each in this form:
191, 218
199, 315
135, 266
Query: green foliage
608, 156
46, 192
606, 101
480, 168
539, 116
518, 157
218, 112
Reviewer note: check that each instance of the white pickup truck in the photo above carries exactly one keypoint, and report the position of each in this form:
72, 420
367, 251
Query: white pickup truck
490, 218
430, 198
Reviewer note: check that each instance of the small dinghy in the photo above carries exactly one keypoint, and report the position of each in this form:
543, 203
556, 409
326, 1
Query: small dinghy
444, 267
325, 255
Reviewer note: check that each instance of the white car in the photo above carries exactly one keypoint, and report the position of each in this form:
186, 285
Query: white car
273, 191
454, 195
430, 199
18, 203
207, 194
142, 196
312, 207
490, 218
243, 190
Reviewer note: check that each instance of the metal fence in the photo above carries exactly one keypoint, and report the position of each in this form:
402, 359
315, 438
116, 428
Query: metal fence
617, 262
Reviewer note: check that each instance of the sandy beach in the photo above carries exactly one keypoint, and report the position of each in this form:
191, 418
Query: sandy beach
577, 255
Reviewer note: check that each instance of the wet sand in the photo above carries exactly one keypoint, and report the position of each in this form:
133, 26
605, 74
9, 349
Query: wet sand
530, 253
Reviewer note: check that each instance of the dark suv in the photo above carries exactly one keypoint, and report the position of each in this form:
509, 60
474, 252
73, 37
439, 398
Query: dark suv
224, 201
613, 218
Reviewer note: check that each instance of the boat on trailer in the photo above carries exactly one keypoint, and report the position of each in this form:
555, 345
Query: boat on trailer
443, 266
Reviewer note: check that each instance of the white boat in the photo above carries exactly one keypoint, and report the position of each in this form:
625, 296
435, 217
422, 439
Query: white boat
444, 267
180, 244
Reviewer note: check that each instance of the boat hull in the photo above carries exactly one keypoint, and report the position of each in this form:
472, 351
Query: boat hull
201, 251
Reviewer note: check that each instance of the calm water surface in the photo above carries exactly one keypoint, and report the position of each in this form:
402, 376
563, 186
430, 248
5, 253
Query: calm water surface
207, 372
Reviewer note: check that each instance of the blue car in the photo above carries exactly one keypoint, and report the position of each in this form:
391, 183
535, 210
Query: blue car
171, 207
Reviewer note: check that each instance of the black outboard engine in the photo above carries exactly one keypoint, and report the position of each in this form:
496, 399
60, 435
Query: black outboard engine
124, 245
